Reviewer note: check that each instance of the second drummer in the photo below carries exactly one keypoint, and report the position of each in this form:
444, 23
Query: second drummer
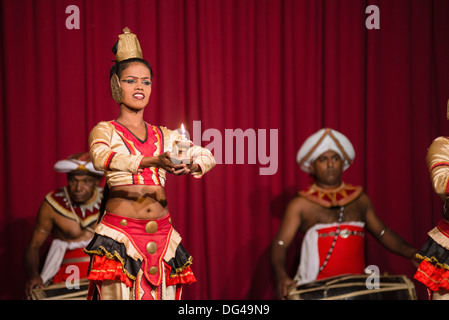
333, 216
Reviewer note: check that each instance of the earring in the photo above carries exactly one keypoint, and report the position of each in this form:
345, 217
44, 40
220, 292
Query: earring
116, 89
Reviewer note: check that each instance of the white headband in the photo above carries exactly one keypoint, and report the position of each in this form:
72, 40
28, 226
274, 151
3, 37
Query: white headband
321, 141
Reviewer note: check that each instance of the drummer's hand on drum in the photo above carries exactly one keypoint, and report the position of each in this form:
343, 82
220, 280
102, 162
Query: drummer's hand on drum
32, 284
284, 285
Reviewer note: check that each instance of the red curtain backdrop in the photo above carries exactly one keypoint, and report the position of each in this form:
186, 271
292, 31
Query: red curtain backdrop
293, 66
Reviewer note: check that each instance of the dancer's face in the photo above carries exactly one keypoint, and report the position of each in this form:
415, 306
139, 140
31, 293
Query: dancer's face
327, 169
136, 84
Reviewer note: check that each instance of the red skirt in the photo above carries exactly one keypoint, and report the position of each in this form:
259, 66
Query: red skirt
123, 247
433, 271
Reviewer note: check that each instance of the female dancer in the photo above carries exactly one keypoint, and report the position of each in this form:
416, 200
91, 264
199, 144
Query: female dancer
136, 253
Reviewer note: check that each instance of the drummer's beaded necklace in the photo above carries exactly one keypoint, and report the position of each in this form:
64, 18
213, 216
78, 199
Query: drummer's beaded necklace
337, 233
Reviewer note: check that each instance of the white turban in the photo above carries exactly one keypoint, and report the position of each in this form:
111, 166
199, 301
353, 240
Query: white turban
79, 161
321, 141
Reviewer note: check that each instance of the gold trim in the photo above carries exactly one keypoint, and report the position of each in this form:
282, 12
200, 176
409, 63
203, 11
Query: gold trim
42, 230
312, 150
181, 269
337, 142
73, 213
430, 278
68, 213
109, 232
433, 260
111, 256
342, 190
116, 235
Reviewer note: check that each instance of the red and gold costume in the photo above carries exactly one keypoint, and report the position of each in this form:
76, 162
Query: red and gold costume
136, 259
434, 268
119, 153
336, 248
329, 198
63, 254
145, 256
84, 214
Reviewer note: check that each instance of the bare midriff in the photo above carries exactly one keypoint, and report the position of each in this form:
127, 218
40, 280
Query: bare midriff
137, 201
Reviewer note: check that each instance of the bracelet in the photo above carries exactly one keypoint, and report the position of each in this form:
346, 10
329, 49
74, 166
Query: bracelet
41, 230
381, 233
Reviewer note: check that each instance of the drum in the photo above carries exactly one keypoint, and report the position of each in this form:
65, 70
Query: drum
354, 287
59, 291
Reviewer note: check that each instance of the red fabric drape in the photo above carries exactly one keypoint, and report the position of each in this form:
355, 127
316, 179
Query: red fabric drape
289, 65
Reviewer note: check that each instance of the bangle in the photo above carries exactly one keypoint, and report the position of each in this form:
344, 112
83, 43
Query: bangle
42, 230
280, 242
381, 233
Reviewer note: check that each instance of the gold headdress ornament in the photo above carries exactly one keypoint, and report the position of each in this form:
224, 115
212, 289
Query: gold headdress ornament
128, 46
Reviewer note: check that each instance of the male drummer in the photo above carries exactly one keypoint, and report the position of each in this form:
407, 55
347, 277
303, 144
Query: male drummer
333, 216
69, 214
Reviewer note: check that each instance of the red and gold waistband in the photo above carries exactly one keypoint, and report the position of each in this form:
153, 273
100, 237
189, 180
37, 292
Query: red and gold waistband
150, 238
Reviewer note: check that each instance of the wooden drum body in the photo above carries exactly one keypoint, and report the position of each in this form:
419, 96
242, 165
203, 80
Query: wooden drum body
60, 291
355, 287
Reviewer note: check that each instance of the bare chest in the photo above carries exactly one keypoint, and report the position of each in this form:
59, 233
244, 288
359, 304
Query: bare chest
316, 214
70, 230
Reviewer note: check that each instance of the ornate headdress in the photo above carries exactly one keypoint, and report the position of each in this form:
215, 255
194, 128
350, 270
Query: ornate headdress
125, 48
77, 163
128, 46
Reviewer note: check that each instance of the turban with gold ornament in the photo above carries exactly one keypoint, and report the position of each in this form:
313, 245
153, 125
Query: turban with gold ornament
77, 163
321, 141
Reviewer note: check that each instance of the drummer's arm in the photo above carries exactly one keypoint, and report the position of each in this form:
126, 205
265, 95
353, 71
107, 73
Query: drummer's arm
385, 236
286, 233
42, 229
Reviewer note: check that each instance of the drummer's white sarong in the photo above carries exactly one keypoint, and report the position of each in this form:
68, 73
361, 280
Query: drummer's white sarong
55, 256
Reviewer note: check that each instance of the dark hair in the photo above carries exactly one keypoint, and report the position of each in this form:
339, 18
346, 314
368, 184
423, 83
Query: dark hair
118, 67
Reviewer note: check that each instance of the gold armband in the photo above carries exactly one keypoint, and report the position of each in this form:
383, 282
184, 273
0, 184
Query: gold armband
42, 230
